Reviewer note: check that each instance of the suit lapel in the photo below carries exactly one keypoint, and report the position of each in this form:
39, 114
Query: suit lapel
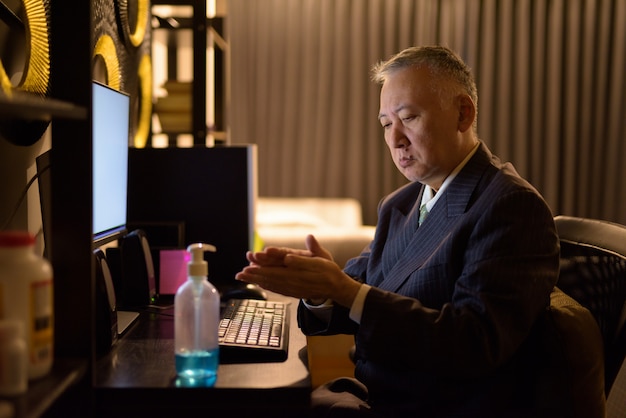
411, 252
404, 227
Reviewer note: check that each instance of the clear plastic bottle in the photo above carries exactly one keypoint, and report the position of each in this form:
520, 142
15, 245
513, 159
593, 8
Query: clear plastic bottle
26, 294
13, 358
196, 322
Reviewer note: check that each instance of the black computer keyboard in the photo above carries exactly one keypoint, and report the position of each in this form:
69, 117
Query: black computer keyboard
253, 331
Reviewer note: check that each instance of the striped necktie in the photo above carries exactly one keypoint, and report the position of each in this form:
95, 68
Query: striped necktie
423, 214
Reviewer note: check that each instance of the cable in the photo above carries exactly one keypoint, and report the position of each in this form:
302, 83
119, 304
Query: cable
23, 196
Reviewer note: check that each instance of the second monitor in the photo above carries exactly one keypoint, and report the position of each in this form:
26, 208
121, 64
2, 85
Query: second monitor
184, 195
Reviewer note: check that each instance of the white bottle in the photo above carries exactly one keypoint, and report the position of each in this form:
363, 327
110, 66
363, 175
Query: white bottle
196, 322
26, 294
13, 358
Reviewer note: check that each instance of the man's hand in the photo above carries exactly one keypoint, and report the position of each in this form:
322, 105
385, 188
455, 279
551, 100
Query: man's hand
304, 274
274, 256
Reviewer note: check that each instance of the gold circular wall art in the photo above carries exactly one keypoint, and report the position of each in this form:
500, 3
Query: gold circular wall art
5, 83
35, 77
106, 51
133, 19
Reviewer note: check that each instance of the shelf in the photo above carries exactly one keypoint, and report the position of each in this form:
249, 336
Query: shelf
190, 116
44, 392
27, 106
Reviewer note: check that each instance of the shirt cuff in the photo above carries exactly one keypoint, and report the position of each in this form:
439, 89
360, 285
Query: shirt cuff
322, 311
356, 310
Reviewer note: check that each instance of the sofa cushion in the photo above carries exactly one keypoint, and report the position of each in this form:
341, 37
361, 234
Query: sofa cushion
309, 211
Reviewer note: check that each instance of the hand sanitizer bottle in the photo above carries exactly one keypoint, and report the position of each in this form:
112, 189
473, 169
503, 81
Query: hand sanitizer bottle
196, 322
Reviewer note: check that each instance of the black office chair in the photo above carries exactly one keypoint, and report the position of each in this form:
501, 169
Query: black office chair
593, 272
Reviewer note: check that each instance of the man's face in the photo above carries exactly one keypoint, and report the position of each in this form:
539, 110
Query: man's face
422, 133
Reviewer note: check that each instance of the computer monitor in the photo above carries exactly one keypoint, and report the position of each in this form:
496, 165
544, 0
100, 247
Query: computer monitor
110, 136
111, 130
184, 195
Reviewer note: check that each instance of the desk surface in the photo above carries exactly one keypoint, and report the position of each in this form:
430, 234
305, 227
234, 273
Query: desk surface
139, 375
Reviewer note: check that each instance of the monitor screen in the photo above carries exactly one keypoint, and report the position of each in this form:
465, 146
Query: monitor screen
111, 127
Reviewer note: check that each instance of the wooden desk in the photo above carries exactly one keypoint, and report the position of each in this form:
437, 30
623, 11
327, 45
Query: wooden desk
137, 378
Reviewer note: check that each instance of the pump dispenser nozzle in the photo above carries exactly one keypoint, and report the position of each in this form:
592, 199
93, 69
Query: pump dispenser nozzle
198, 266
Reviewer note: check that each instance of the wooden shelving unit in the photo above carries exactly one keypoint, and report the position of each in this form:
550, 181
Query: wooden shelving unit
199, 127
66, 390
200, 27
68, 109
29, 107
43, 394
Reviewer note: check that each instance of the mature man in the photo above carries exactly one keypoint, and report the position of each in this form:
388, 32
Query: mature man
461, 266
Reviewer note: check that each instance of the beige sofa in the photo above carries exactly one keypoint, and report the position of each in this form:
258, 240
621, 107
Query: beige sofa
337, 223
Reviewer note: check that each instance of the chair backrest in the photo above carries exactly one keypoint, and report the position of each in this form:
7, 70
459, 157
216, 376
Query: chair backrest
593, 272
561, 372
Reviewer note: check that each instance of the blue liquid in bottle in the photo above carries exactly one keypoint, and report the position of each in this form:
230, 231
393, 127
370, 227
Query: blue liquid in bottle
197, 368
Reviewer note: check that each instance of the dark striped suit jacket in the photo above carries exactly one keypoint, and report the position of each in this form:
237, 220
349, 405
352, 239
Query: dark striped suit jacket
453, 299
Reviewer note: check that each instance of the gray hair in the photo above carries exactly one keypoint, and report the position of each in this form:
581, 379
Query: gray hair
442, 63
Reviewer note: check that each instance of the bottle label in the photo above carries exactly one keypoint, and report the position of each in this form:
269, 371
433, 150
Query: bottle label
41, 314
